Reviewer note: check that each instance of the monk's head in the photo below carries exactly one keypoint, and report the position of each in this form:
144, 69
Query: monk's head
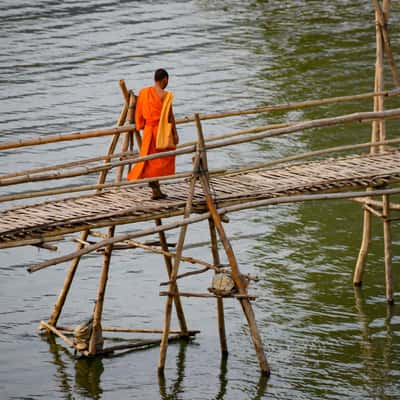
161, 78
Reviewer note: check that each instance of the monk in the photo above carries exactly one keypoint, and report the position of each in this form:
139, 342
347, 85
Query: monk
155, 117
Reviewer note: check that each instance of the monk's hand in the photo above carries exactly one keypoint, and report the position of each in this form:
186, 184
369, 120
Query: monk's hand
176, 139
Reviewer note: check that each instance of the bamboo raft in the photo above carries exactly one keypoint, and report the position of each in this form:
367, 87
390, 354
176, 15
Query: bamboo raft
200, 194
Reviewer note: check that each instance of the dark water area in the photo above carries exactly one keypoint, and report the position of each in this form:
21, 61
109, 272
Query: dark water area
60, 63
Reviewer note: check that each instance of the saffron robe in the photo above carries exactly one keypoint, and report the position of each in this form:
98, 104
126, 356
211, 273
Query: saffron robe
147, 117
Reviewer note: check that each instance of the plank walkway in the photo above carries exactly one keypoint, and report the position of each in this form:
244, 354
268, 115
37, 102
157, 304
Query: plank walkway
24, 225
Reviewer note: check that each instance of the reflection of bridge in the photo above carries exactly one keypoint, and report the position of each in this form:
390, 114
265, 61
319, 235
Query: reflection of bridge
207, 193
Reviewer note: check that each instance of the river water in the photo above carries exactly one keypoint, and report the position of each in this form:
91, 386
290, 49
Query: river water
60, 63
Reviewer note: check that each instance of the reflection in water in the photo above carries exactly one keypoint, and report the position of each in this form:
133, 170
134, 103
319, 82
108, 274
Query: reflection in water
176, 387
87, 371
377, 368
63, 379
87, 376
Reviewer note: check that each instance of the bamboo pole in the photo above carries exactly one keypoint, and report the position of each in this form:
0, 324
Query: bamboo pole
121, 121
129, 330
208, 295
57, 309
236, 276
236, 170
206, 215
241, 132
136, 345
220, 302
166, 253
174, 272
289, 106
66, 137
168, 264
379, 126
88, 170
185, 275
310, 154
125, 143
377, 134
51, 328
126, 128
317, 123
372, 211
387, 237
27, 172
274, 132
86, 188
382, 18
375, 203
363, 253
96, 334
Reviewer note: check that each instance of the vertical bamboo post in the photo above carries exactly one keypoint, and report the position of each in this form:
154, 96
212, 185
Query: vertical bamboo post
57, 309
96, 334
168, 263
377, 133
55, 315
236, 276
174, 273
220, 301
363, 253
125, 142
387, 237
120, 122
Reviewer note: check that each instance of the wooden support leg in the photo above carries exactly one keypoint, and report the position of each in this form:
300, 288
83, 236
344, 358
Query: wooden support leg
67, 284
246, 305
174, 273
362, 255
177, 300
220, 301
95, 337
236, 276
387, 237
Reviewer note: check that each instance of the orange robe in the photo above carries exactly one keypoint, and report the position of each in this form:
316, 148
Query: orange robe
147, 115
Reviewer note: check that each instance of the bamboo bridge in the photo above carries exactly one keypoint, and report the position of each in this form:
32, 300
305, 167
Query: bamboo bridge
364, 172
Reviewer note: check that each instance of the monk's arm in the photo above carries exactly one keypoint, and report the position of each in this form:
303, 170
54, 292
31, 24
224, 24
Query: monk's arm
171, 119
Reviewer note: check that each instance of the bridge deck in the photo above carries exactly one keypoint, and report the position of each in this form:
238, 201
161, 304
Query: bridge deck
27, 224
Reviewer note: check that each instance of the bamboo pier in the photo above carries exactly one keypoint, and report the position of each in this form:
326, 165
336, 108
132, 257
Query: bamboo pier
367, 173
